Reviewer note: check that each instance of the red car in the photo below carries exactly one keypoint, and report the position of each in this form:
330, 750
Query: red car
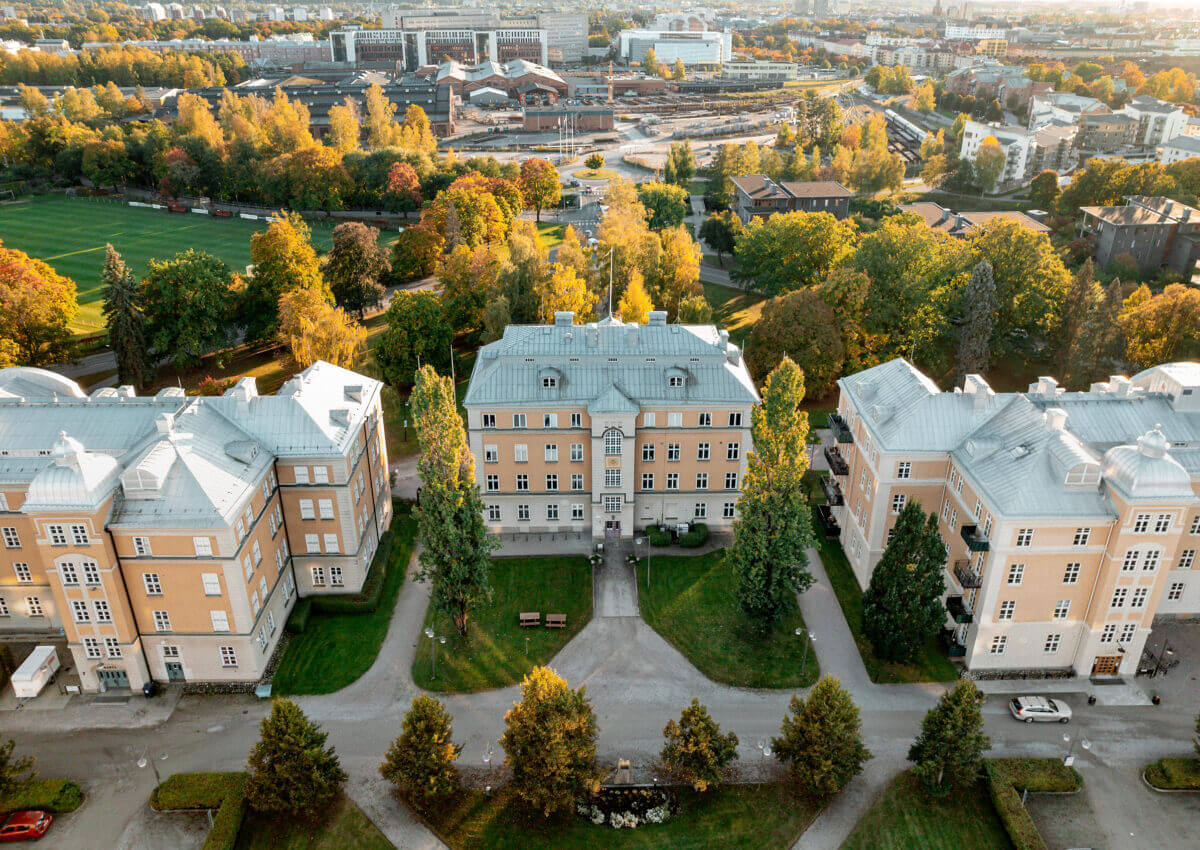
25, 826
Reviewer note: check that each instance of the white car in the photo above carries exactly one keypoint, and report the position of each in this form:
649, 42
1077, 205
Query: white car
1040, 709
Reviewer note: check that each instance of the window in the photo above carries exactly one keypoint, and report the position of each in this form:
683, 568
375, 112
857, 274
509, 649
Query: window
672, 451
701, 480
24, 574
491, 454
112, 647
141, 545
248, 566
66, 572
318, 576
704, 420
730, 480
612, 478
271, 621
576, 480
91, 647
1062, 608
1052, 642
203, 546
1162, 524
675, 420
80, 611
1141, 524
727, 510
152, 584
612, 504
1186, 558
301, 473
672, 480
241, 528
306, 509
1082, 535
518, 420
702, 451
998, 644
576, 420
522, 483
898, 501
552, 482
493, 513
675, 381
987, 526
735, 419
1128, 631
57, 535
1130, 562
648, 419
953, 514
903, 469
1196, 524
212, 584
700, 511
1016, 573
162, 621
1071, 575
324, 509
549, 382
103, 612
1025, 537
1139, 597
331, 543
612, 442
79, 535
271, 522
11, 539
549, 420
4, 612
647, 452
35, 606
576, 512
1175, 592
320, 474
647, 480
978, 509
1118, 598
220, 621
312, 543
521, 453
1007, 608
733, 451
493, 483
1110, 632
335, 578
552, 513
551, 453
1150, 562
523, 513
228, 656
489, 420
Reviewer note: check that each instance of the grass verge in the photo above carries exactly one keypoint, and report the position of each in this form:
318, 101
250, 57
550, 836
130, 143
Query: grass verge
224, 792
734, 817
1008, 778
336, 648
692, 602
48, 795
595, 174
1175, 774
496, 651
346, 829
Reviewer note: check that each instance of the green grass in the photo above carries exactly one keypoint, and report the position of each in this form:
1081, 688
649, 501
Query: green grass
692, 602
595, 174
1175, 774
907, 818
335, 649
70, 234
51, 795
347, 829
734, 817
930, 665
493, 653
551, 234
734, 309
698, 186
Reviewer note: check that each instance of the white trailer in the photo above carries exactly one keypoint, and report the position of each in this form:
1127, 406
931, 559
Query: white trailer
35, 672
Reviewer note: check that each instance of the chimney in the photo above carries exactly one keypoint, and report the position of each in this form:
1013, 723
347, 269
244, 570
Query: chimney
977, 387
1046, 387
657, 318
1056, 418
631, 334
564, 318
593, 335
164, 423
723, 335
1121, 386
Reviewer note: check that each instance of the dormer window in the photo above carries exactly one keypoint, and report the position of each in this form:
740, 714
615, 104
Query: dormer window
549, 382
675, 381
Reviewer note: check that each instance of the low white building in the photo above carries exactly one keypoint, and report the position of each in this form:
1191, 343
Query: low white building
1017, 144
760, 71
1178, 148
709, 47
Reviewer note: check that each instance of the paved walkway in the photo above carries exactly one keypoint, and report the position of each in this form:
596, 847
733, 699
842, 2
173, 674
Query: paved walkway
614, 585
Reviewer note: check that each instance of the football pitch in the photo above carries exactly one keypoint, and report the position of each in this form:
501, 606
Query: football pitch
70, 234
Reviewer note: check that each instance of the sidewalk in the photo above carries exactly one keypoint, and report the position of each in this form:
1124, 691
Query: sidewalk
113, 710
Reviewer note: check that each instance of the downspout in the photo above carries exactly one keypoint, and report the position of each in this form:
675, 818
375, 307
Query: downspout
128, 602
283, 523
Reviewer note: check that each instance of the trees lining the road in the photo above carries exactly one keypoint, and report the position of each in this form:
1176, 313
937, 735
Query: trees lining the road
293, 773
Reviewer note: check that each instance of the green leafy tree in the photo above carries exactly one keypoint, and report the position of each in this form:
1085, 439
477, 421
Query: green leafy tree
1044, 190
456, 548
995, 112
550, 744
978, 321
790, 251
949, 751
540, 186
188, 303
695, 750
695, 310
523, 276
420, 762
415, 253
902, 607
417, 334
821, 740
989, 163
1099, 342
496, 318
800, 326
37, 306
649, 64
774, 527
1161, 328
124, 319
355, 267
680, 70
683, 161
14, 769
721, 230
283, 259
1082, 299
666, 205
468, 278
292, 772
594, 161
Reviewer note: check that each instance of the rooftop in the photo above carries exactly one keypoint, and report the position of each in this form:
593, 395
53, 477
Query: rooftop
759, 186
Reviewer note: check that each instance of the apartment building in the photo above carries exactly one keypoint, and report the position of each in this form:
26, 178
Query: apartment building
1158, 121
758, 196
1156, 232
609, 427
167, 537
1071, 519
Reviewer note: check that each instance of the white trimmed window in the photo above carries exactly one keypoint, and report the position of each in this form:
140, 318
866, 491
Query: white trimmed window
12, 540
112, 647
904, 469
1071, 574
1139, 597
68, 574
675, 381
211, 583
701, 480
898, 501
647, 480
612, 478
1052, 643
1016, 573
672, 480
552, 482
162, 621
103, 612
91, 647
312, 543
91, 573
1082, 536
1025, 537
492, 483
1062, 608
79, 610
4, 612
1128, 631
1118, 597
576, 512
1196, 524
675, 420
522, 513
489, 420
228, 656
220, 621
318, 576
576, 420
335, 578
23, 573
301, 473
733, 451
57, 535
320, 475
576, 452
325, 508
999, 642
518, 420
1130, 562
612, 442
1109, 633
576, 480
1162, 524
152, 584
1175, 592
255, 605
1150, 562
521, 453
551, 452
648, 419
612, 504
141, 545
700, 511
727, 510
203, 546
522, 483
704, 420
647, 452
550, 420
702, 451
79, 535
1141, 524
240, 527
34, 605
331, 544
1007, 609
731, 481
306, 509
247, 566
491, 454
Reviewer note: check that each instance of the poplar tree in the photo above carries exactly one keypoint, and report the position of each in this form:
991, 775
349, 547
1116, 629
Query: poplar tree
123, 315
979, 318
821, 740
292, 772
949, 751
456, 548
420, 762
774, 527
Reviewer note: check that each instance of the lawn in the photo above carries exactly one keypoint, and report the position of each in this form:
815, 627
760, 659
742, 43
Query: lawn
347, 829
692, 602
595, 174
732, 817
70, 234
551, 234
734, 309
907, 818
496, 651
335, 649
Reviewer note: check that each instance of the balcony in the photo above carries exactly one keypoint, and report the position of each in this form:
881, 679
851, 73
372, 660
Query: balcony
833, 492
837, 463
957, 610
829, 525
954, 649
841, 431
966, 576
975, 541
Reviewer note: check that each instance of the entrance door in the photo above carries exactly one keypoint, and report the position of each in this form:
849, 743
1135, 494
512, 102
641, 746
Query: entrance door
174, 671
612, 528
114, 678
1106, 665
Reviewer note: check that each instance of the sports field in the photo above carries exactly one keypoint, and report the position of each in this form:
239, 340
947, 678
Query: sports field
70, 234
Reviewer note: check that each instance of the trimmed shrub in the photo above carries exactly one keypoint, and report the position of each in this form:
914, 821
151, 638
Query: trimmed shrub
695, 537
1175, 774
297, 621
1007, 778
49, 795
367, 599
225, 792
657, 536
227, 822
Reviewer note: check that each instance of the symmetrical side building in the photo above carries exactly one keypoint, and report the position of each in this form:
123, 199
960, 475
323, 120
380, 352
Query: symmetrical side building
167, 537
1071, 519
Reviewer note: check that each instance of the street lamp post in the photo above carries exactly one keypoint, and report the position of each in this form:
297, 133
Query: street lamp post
1069, 759
1162, 657
810, 637
638, 542
145, 760
434, 640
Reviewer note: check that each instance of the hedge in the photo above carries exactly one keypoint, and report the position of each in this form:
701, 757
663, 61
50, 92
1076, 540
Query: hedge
695, 537
367, 599
225, 792
49, 795
657, 536
1007, 778
297, 621
1175, 774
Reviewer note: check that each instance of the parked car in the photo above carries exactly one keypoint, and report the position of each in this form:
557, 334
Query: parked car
1039, 709
25, 826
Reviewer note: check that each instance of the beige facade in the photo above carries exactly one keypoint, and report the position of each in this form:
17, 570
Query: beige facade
171, 537
1071, 519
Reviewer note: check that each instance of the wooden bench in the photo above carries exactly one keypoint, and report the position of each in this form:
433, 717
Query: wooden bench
556, 621
530, 618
